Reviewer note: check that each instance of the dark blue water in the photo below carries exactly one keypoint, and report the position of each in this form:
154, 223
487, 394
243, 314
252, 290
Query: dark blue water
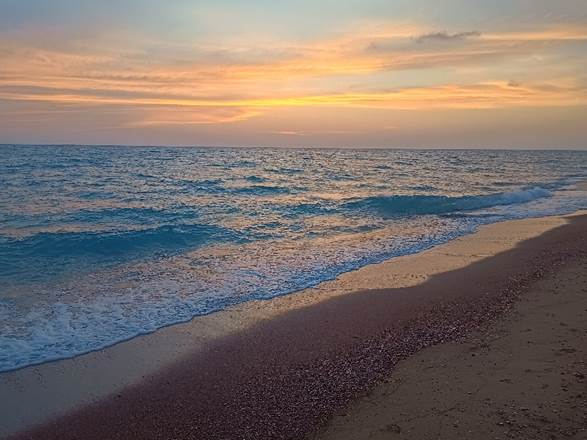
100, 244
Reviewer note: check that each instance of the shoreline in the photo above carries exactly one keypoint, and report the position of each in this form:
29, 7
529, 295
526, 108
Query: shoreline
577, 187
142, 362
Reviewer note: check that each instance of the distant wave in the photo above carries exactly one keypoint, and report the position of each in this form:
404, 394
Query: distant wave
261, 190
256, 179
132, 215
206, 185
285, 170
94, 221
399, 206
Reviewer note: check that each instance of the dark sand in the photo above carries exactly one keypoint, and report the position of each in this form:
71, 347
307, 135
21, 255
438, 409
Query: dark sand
523, 377
286, 377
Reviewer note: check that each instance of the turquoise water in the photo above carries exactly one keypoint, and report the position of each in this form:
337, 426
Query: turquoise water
101, 244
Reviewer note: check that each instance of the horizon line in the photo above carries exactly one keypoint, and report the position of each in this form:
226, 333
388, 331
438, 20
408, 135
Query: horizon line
292, 147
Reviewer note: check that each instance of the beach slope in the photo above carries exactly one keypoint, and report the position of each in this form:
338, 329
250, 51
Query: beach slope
305, 358
523, 377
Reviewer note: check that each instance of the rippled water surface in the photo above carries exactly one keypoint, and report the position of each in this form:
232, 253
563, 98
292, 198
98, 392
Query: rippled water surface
100, 244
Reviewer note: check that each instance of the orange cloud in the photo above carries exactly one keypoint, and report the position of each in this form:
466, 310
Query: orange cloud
482, 95
204, 90
193, 116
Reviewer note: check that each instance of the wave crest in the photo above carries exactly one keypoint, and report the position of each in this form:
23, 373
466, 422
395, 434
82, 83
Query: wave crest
407, 205
46, 253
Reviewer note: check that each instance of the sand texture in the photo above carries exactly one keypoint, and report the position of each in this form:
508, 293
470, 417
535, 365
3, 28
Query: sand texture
522, 378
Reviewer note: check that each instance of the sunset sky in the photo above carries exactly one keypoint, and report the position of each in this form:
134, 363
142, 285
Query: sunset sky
360, 73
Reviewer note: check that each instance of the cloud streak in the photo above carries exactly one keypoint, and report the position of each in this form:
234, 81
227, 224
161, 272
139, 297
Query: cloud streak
445, 36
194, 84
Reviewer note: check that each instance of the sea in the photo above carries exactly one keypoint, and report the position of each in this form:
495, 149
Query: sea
100, 244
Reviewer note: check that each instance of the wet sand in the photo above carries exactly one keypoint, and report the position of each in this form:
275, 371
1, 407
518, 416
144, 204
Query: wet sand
284, 367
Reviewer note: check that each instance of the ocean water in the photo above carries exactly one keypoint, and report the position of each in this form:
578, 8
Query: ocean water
101, 244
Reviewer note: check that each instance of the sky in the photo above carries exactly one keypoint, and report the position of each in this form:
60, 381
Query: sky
355, 73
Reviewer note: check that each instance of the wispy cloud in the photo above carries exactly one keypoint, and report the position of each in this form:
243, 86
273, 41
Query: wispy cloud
481, 95
445, 36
